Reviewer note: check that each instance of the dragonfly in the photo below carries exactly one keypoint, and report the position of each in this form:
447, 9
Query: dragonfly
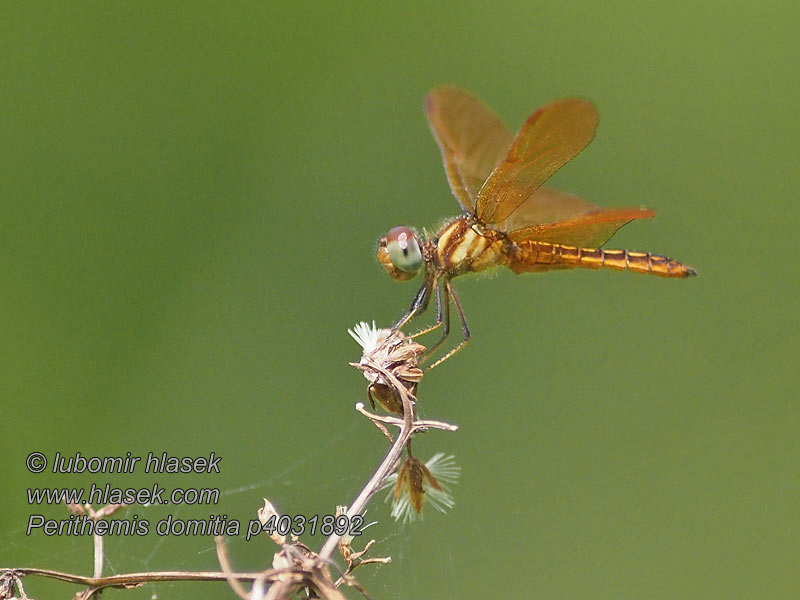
508, 218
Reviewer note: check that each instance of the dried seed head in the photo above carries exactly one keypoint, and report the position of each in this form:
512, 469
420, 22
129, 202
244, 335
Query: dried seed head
265, 513
346, 539
396, 354
415, 482
76, 509
387, 397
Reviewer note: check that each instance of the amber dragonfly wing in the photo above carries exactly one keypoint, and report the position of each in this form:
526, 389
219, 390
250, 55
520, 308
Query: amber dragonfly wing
587, 230
546, 205
550, 138
472, 138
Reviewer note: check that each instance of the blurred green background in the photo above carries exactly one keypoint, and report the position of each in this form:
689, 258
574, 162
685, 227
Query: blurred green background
190, 196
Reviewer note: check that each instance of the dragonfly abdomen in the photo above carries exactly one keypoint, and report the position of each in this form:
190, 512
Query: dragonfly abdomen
530, 255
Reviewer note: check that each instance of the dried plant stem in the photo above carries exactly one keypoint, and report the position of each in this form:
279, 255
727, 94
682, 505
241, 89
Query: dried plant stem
387, 465
98, 555
418, 424
408, 426
297, 567
136, 579
225, 563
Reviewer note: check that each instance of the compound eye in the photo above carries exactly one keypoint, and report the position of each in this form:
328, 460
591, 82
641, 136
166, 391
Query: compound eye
404, 250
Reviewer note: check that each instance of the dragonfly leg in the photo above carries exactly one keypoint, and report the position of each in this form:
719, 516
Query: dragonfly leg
420, 305
449, 291
440, 321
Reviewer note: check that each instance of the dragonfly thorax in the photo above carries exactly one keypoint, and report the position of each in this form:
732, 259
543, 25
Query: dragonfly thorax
464, 245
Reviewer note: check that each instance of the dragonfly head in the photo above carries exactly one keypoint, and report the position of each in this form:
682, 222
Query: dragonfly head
400, 254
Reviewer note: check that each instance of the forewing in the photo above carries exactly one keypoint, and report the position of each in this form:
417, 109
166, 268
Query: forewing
551, 137
589, 230
472, 138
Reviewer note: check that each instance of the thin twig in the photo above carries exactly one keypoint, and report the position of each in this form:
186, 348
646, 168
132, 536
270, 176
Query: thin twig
418, 424
407, 428
222, 557
386, 466
376, 420
309, 571
135, 579
98, 555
